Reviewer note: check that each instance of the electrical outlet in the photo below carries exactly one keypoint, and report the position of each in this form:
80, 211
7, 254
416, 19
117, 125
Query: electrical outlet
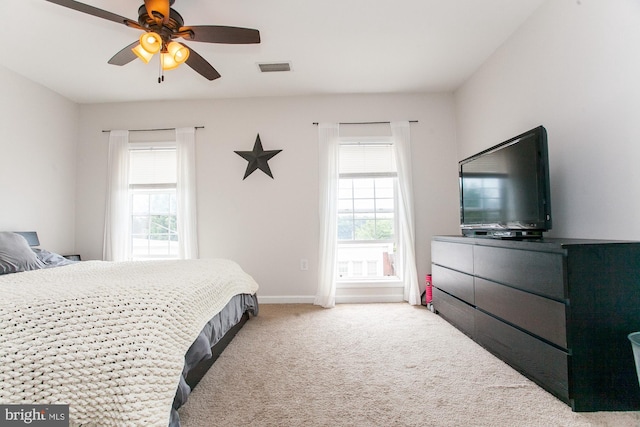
304, 264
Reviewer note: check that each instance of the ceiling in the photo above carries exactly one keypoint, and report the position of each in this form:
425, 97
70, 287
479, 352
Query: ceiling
334, 47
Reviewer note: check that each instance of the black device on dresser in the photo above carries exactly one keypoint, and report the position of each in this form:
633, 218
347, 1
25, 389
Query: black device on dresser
557, 310
505, 190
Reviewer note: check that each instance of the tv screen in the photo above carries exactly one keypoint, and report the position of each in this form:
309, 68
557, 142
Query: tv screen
504, 191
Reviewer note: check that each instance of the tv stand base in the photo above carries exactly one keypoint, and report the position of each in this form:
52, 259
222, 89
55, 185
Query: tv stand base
503, 234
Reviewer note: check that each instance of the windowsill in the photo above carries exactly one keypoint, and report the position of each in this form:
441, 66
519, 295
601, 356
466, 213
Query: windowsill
390, 282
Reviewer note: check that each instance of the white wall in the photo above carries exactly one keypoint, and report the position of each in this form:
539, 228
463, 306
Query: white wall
574, 67
265, 224
38, 135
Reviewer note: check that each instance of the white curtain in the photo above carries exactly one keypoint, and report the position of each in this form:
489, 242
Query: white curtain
186, 193
402, 145
328, 145
116, 228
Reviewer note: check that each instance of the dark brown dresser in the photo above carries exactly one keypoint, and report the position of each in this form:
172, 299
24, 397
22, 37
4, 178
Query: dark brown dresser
557, 310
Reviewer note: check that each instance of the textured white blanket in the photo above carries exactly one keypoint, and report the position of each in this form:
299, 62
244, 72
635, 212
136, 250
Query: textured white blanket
108, 338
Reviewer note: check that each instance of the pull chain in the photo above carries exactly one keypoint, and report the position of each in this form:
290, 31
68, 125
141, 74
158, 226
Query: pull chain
160, 70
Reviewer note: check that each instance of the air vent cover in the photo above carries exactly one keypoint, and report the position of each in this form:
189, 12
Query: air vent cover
274, 66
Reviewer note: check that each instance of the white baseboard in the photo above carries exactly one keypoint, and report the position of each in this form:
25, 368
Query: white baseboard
340, 299
286, 299
364, 299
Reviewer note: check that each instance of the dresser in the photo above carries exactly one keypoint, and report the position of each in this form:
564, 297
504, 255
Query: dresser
557, 310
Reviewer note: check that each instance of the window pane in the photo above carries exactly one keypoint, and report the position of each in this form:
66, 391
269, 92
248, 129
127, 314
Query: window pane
363, 189
140, 204
345, 227
345, 189
140, 225
385, 215
364, 205
384, 205
173, 204
158, 247
385, 183
154, 227
384, 229
365, 260
374, 216
139, 245
160, 203
345, 205
384, 193
365, 229
162, 225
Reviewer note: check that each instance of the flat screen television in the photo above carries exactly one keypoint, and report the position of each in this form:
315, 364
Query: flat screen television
504, 190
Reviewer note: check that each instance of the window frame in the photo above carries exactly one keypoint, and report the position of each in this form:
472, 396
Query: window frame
365, 280
134, 189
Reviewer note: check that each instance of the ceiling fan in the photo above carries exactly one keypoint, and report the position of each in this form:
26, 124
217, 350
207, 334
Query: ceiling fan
161, 25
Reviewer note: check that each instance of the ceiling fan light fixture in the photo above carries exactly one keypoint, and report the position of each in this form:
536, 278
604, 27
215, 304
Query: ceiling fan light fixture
141, 53
168, 63
178, 52
160, 24
151, 42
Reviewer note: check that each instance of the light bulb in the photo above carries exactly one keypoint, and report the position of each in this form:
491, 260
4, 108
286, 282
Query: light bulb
151, 42
168, 63
179, 52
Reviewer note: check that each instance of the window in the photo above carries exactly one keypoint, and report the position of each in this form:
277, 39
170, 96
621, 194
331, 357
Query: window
367, 220
349, 159
152, 201
161, 176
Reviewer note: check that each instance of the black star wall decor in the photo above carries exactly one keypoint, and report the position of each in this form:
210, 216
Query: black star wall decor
257, 158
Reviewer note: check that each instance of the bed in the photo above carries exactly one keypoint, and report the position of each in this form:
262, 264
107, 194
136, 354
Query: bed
122, 343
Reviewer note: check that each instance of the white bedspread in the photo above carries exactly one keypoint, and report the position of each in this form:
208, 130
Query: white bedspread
108, 338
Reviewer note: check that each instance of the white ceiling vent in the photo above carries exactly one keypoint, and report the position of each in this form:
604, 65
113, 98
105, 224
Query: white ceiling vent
271, 67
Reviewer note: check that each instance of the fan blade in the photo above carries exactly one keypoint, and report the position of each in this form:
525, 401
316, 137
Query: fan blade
200, 65
85, 8
160, 7
125, 56
222, 34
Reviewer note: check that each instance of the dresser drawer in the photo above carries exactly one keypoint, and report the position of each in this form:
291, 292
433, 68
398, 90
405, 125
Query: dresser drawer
543, 363
454, 311
537, 272
452, 255
453, 282
541, 316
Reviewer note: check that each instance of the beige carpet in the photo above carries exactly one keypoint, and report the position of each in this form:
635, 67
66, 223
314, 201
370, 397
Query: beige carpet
370, 365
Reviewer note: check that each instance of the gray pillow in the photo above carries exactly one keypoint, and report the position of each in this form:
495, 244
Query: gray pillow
51, 259
16, 255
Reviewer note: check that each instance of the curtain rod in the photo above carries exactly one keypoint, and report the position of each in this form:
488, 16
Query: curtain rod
366, 123
152, 130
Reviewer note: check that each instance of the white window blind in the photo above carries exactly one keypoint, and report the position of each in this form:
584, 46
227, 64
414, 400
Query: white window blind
367, 159
152, 166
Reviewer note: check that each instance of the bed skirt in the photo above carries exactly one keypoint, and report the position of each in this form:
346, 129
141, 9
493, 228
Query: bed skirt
201, 354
